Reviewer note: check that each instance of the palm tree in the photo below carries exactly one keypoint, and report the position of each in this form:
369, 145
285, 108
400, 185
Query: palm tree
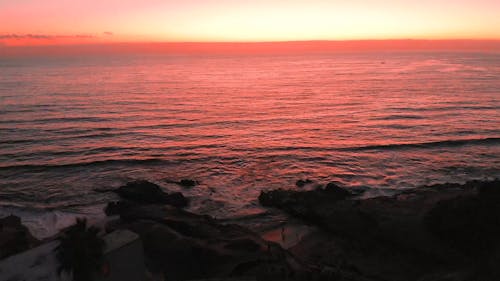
80, 251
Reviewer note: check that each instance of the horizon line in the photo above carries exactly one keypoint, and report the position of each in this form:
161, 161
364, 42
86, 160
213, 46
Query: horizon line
260, 41
249, 47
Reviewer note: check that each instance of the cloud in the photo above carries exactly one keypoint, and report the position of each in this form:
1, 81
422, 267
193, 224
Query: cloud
43, 36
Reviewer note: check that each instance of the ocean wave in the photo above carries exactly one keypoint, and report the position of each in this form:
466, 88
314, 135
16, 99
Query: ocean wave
445, 108
83, 164
125, 161
399, 116
237, 154
63, 138
434, 144
56, 120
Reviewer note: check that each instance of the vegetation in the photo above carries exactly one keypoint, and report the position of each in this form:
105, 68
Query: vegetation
80, 251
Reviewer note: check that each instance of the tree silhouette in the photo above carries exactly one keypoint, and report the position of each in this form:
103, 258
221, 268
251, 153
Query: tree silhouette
80, 251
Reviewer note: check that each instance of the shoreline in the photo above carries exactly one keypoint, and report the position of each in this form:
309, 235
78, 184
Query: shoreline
324, 226
55, 220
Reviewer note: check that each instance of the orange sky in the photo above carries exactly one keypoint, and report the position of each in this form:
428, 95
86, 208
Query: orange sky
54, 22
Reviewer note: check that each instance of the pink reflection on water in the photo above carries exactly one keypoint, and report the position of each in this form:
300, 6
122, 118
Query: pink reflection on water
243, 123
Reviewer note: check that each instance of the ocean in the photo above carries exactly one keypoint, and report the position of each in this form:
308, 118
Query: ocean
239, 124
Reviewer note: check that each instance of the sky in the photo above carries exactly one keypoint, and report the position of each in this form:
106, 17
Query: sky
53, 22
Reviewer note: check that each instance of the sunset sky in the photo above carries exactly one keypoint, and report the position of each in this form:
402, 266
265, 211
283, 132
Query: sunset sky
31, 22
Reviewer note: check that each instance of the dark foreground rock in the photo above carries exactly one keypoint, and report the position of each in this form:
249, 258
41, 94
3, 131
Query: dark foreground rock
187, 183
290, 199
14, 237
146, 192
184, 246
440, 232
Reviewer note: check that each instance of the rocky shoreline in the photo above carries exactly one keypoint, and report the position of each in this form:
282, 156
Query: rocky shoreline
180, 245
439, 232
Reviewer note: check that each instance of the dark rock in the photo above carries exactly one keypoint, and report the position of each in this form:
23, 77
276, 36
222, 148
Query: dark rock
302, 183
433, 230
186, 246
336, 191
150, 193
187, 183
10, 221
276, 198
116, 208
244, 245
490, 191
142, 191
469, 223
176, 199
14, 237
290, 199
112, 208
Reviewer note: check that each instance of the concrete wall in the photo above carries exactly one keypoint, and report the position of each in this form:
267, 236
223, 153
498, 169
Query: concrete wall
37, 264
123, 254
124, 257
